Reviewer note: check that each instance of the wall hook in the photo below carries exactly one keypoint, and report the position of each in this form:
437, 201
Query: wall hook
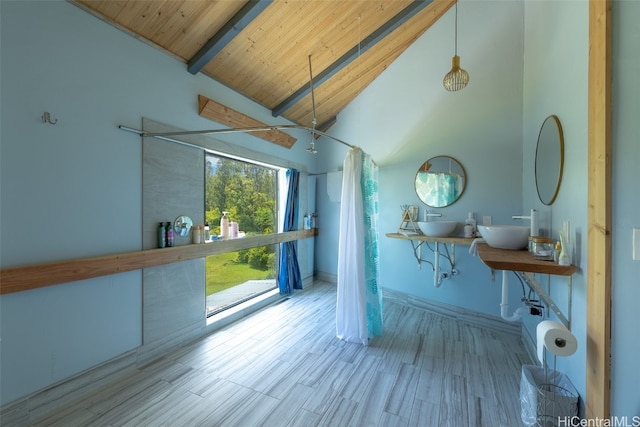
46, 118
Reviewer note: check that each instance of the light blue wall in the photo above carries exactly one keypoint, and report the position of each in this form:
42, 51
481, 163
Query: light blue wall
556, 82
566, 43
625, 292
406, 116
73, 189
537, 66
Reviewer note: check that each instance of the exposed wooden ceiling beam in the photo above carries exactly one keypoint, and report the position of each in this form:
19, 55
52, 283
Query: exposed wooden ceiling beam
352, 54
228, 32
220, 113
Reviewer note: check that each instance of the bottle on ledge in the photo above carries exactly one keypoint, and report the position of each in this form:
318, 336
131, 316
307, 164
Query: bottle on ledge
224, 226
170, 235
162, 237
470, 226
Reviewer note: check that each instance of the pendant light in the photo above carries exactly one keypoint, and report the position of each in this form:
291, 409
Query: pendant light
456, 79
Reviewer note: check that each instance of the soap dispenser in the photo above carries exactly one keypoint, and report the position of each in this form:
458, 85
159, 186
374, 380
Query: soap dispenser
224, 225
470, 226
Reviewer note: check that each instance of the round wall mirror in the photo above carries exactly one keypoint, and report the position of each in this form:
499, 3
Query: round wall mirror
440, 181
182, 225
549, 160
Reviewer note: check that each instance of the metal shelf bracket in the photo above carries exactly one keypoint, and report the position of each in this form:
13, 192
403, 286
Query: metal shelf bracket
533, 283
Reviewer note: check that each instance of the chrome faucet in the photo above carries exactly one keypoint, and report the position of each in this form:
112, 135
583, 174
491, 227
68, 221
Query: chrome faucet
428, 213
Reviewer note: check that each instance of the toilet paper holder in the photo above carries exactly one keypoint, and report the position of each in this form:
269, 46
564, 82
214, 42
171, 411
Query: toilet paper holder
555, 338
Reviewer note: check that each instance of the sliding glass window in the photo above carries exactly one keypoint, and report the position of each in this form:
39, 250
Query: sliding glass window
248, 192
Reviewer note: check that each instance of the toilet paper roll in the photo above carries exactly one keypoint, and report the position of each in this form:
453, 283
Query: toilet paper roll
556, 338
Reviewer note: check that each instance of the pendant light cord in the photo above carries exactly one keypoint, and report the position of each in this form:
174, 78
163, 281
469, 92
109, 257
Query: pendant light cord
312, 142
456, 27
313, 100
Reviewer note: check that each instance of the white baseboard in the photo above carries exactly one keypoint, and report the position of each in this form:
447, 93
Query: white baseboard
326, 277
470, 316
459, 313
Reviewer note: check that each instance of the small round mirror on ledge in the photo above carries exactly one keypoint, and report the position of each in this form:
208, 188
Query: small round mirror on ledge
440, 181
549, 160
182, 225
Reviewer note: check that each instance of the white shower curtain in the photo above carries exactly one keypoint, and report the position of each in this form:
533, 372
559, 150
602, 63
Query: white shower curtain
359, 302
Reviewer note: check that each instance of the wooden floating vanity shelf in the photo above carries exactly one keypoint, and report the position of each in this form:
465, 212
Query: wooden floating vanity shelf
523, 265
421, 237
499, 259
17, 279
503, 259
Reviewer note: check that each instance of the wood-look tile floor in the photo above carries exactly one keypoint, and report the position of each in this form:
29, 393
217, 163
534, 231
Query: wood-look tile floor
283, 366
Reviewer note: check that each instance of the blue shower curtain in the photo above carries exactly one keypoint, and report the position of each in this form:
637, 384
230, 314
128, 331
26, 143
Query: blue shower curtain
289, 271
359, 298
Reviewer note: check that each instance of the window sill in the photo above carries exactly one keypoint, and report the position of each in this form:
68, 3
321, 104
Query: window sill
226, 317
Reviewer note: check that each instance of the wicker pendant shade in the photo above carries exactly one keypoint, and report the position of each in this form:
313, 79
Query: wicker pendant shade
457, 78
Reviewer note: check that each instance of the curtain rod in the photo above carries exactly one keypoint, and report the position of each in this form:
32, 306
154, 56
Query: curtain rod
323, 173
232, 130
167, 135
164, 138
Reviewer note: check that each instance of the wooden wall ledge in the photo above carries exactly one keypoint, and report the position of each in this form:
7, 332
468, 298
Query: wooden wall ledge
503, 259
18, 279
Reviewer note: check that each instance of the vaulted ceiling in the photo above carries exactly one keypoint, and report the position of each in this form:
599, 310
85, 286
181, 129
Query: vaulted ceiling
268, 50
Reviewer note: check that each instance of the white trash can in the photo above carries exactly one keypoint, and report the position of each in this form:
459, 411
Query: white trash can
546, 399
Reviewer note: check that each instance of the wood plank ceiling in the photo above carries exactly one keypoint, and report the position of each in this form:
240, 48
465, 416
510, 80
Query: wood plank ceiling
261, 48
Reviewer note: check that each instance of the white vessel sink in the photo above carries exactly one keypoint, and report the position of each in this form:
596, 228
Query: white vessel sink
505, 236
437, 228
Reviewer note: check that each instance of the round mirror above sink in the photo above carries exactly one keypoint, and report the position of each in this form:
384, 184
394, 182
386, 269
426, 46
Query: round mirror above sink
549, 160
440, 181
